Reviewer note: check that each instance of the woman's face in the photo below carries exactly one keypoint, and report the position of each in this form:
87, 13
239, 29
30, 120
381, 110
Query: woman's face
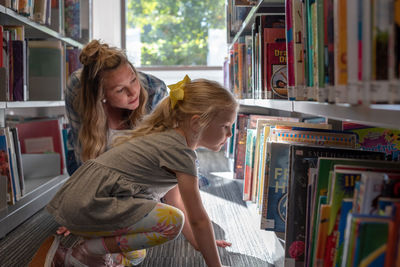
121, 88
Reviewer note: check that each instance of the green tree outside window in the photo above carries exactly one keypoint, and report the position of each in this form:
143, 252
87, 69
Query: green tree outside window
175, 32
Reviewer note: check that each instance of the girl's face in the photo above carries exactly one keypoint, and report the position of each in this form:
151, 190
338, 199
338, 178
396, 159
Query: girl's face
214, 136
121, 88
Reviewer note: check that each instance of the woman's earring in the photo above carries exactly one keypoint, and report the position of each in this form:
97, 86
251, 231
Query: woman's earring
104, 100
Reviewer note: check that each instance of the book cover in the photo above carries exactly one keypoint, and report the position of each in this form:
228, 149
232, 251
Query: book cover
380, 51
46, 70
322, 226
353, 10
309, 35
19, 69
352, 157
263, 172
17, 148
393, 239
72, 24
240, 145
13, 163
258, 156
39, 11
25, 7
298, 55
366, 52
319, 52
340, 50
241, 68
290, 50
322, 137
248, 69
273, 216
303, 158
249, 161
5, 170
369, 248
379, 139
276, 70
329, 46
41, 137
267, 22
347, 205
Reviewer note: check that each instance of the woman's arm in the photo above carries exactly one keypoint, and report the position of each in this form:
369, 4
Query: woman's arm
197, 217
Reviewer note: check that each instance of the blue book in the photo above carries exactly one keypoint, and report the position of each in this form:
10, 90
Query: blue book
274, 217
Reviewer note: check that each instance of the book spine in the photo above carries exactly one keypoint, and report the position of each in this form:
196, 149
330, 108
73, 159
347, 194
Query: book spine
340, 20
352, 52
291, 86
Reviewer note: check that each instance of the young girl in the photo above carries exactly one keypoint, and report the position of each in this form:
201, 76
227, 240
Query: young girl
113, 200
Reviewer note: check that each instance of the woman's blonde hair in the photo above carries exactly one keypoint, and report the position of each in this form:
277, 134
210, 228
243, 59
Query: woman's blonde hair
98, 58
201, 97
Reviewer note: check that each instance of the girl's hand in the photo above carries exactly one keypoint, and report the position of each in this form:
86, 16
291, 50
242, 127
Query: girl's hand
62, 230
223, 243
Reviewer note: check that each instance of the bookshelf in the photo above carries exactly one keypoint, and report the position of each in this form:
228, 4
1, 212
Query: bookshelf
379, 115
40, 190
360, 97
386, 116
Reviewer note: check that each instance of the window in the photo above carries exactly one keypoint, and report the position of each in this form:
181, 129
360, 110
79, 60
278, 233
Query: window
170, 38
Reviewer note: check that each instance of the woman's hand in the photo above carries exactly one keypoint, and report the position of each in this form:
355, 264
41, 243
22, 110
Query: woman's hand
62, 230
223, 243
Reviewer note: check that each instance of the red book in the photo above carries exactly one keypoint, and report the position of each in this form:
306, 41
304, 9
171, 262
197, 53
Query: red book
276, 70
41, 137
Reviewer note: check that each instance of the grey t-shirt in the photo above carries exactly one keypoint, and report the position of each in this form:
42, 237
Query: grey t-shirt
122, 185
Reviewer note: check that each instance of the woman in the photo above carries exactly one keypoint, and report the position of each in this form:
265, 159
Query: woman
93, 102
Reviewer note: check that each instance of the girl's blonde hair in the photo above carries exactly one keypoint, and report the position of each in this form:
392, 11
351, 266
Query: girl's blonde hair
98, 58
201, 97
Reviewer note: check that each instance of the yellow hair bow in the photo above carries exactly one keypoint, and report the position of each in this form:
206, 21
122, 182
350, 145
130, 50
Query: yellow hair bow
176, 90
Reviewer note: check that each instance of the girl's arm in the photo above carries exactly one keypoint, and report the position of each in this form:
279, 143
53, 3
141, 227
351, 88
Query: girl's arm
173, 198
198, 218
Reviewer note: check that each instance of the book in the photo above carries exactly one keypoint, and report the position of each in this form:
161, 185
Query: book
301, 159
240, 145
273, 215
362, 246
341, 186
259, 149
380, 51
340, 50
371, 188
17, 148
5, 170
322, 231
379, 139
263, 171
298, 54
39, 11
267, 23
322, 137
249, 162
290, 50
43, 136
353, 157
46, 70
